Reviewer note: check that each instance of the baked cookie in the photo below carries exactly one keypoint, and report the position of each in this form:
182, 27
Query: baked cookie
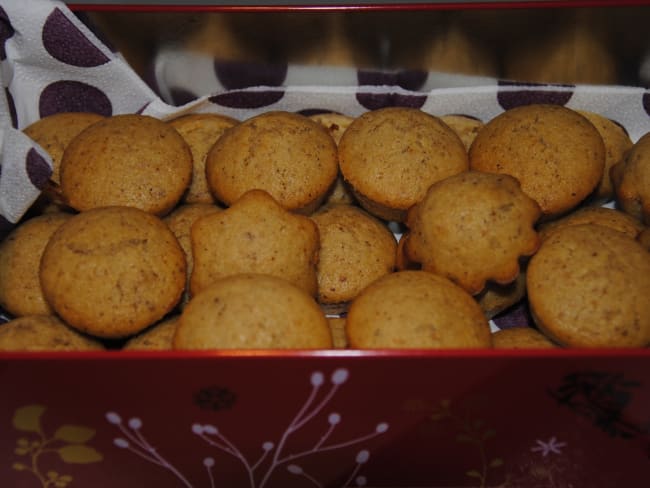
290, 156
617, 142
252, 311
201, 131
416, 309
336, 124
158, 337
53, 133
472, 228
355, 250
391, 156
557, 155
180, 222
20, 257
113, 271
130, 160
521, 338
43, 333
466, 126
588, 286
631, 180
255, 235
608, 217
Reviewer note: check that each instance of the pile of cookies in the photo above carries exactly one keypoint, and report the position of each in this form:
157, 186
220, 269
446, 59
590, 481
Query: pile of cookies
394, 229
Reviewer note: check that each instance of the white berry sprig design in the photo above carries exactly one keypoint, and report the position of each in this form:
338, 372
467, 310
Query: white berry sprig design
273, 455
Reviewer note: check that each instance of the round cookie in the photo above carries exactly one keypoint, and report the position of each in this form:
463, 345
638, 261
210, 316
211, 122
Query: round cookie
53, 133
466, 126
472, 228
255, 235
588, 286
521, 338
617, 142
158, 337
608, 217
416, 309
113, 271
631, 180
252, 311
290, 156
20, 257
180, 222
355, 250
130, 160
201, 131
43, 333
557, 155
391, 156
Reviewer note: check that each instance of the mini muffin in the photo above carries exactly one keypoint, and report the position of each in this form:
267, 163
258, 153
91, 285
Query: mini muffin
43, 333
20, 257
466, 126
252, 311
609, 217
180, 222
355, 250
391, 156
617, 142
631, 180
158, 337
588, 286
113, 271
337, 329
473, 227
53, 133
496, 298
521, 338
126, 160
290, 156
201, 131
557, 155
255, 235
416, 309
336, 124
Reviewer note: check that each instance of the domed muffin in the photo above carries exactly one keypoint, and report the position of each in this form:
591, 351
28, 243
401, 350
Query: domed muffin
557, 155
631, 180
608, 217
252, 311
290, 156
391, 156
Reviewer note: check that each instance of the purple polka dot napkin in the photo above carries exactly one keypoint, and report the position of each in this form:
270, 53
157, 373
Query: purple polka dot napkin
51, 62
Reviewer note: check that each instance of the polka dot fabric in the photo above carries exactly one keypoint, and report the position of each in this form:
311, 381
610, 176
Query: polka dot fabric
52, 62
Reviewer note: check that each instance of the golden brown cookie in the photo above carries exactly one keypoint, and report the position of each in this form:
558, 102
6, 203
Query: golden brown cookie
252, 311
521, 338
180, 222
466, 126
473, 227
201, 131
557, 155
355, 250
290, 156
43, 333
588, 286
631, 180
609, 217
20, 257
617, 142
131, 160
255, 235
416, 309
53, 133
113, 271
158, 337
391, 156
